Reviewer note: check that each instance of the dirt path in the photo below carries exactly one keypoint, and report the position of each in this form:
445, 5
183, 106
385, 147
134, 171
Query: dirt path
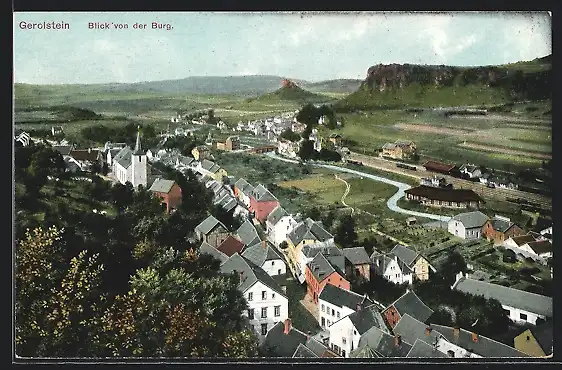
347, 189
495, 149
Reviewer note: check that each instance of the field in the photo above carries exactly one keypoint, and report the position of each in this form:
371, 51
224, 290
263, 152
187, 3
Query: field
504, 142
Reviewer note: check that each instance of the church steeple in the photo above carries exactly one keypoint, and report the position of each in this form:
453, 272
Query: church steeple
138, 148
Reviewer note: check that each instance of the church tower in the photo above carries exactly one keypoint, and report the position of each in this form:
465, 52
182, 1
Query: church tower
139, 164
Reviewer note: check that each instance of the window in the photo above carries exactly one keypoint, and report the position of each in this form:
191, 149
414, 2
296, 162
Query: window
333, 312
272, 295
328, 280
323, 322
338, 314
277, 310
263, 312
250, 296
263, 329
329, 323
343, 340
251, 314
264, 295
323, 308
355, 332
343, 353
279, 272
272, 263
523, 316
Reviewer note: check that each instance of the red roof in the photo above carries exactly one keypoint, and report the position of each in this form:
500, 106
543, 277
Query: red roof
444, 194
438, 166
230, 246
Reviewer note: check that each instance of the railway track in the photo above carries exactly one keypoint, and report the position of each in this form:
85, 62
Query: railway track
481, 189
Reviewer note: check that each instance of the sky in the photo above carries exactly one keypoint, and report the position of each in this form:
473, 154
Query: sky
307, 46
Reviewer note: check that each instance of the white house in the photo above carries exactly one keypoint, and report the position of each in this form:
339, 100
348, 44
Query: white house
131, 165
278, 224
267, 301
547, 233
287, 148
346, 332
391, 268
266, 256
467, 225
471, 170
23, 138
243, 190
531, 246
335, 303
519, 305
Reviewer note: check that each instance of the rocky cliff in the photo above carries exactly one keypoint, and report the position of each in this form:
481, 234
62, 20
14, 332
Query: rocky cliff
395, 85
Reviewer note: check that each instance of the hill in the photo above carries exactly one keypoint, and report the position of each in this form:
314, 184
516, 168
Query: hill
290, 91
399, 85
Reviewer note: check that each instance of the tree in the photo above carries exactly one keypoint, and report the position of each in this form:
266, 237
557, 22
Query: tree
314, 213
454, 264
345, 232
288, 134
328, 218
306, 150
122, 196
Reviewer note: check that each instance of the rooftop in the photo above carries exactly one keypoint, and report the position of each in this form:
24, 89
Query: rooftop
206, 248
407, 255
248, 234
438, 166
383, 344
162, 185
421, 349
366, 318
208, 225
231, 245
471, 220
409, 303
357, 256
276, 215
261, 252
280, 344
343, 298
515, 298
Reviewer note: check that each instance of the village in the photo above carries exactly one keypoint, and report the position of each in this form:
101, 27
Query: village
274, 248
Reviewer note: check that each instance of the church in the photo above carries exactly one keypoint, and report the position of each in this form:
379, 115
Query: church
131, 165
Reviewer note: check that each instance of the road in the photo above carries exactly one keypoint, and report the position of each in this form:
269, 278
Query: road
392, 202
480, 189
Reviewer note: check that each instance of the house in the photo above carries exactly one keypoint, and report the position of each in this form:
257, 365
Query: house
547, 233
284, 340
278, 224
131, 165
346, 332
57, 130
336, 302
409, 330
335, 139
266, 256
231, 245
536, 341
306, 253
360, 261
242, 190
400, 149
248, 234
435, 181
410, 304
470, 170
421, 349
390, 267
64, 150
320, 272
185, 162
439, 167
484, 178
232, 143
460, 343
419, 265
212, 231
267, 302
499, 229
23, 138
468, 225
262, 202
444, 197
305, 232
206, 248
312, 348
287, 148
169, 193
201, 152
530, 246
377, 343
211, 169
85, 158
519, 305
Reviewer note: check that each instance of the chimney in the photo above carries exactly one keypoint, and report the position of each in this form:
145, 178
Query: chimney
475, 337
287, 326
397, 340
427, 331
456, 332
263, 244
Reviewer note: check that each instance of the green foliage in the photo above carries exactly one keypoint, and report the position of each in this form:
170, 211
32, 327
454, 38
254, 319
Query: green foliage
346, 236
306, 150
288, 134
